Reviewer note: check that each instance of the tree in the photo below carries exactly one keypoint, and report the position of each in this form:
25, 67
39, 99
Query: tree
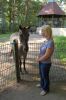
15, 12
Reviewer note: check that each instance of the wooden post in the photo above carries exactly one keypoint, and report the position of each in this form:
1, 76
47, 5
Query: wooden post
16, 57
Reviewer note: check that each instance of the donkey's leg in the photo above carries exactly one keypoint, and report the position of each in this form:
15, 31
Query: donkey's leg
24, 65
20, 63
11, 52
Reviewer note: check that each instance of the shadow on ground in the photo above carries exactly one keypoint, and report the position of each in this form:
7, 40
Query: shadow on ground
29, 91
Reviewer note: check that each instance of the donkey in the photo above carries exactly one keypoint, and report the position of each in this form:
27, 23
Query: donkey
22, 36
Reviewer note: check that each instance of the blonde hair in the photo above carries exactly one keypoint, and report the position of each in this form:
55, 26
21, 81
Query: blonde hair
48, 29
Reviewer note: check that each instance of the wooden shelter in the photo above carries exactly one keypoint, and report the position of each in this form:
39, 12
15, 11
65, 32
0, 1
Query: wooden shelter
51, 14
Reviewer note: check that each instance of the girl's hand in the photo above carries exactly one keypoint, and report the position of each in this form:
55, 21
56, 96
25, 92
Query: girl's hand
37, 59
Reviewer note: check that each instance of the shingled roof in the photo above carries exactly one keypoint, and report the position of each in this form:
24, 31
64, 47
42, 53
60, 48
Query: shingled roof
51, 8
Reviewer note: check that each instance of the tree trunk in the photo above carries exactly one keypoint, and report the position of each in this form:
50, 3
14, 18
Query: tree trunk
26, 11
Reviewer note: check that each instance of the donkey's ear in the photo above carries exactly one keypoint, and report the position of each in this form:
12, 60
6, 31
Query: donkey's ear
20, 27
28, 27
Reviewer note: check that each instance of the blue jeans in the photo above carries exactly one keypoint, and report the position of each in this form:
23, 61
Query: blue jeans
44, 75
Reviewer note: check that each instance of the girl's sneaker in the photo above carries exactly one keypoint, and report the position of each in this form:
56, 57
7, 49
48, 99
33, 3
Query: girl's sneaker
43, 93
38, 85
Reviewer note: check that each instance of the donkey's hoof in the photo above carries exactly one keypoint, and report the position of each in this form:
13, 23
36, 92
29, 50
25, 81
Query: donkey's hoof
21, 72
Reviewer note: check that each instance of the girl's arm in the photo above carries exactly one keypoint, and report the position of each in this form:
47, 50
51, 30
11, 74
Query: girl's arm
48, 54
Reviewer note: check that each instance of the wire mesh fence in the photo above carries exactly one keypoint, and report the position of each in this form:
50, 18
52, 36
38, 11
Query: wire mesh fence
7, 67
58, 68
8, 71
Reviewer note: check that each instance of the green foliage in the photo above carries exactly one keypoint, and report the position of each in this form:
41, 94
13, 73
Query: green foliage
60, 47
59, 39
14, 13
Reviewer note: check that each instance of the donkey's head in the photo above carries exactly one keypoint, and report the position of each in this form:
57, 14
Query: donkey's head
24, 34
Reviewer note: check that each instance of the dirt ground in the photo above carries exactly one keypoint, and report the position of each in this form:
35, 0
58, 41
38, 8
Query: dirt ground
29, 91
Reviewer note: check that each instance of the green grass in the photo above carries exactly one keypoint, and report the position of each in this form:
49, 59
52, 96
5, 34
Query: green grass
60, 45
60, 50
5, 37
59, 39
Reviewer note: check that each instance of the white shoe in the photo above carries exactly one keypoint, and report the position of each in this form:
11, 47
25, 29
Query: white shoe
38, 85
43, 93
